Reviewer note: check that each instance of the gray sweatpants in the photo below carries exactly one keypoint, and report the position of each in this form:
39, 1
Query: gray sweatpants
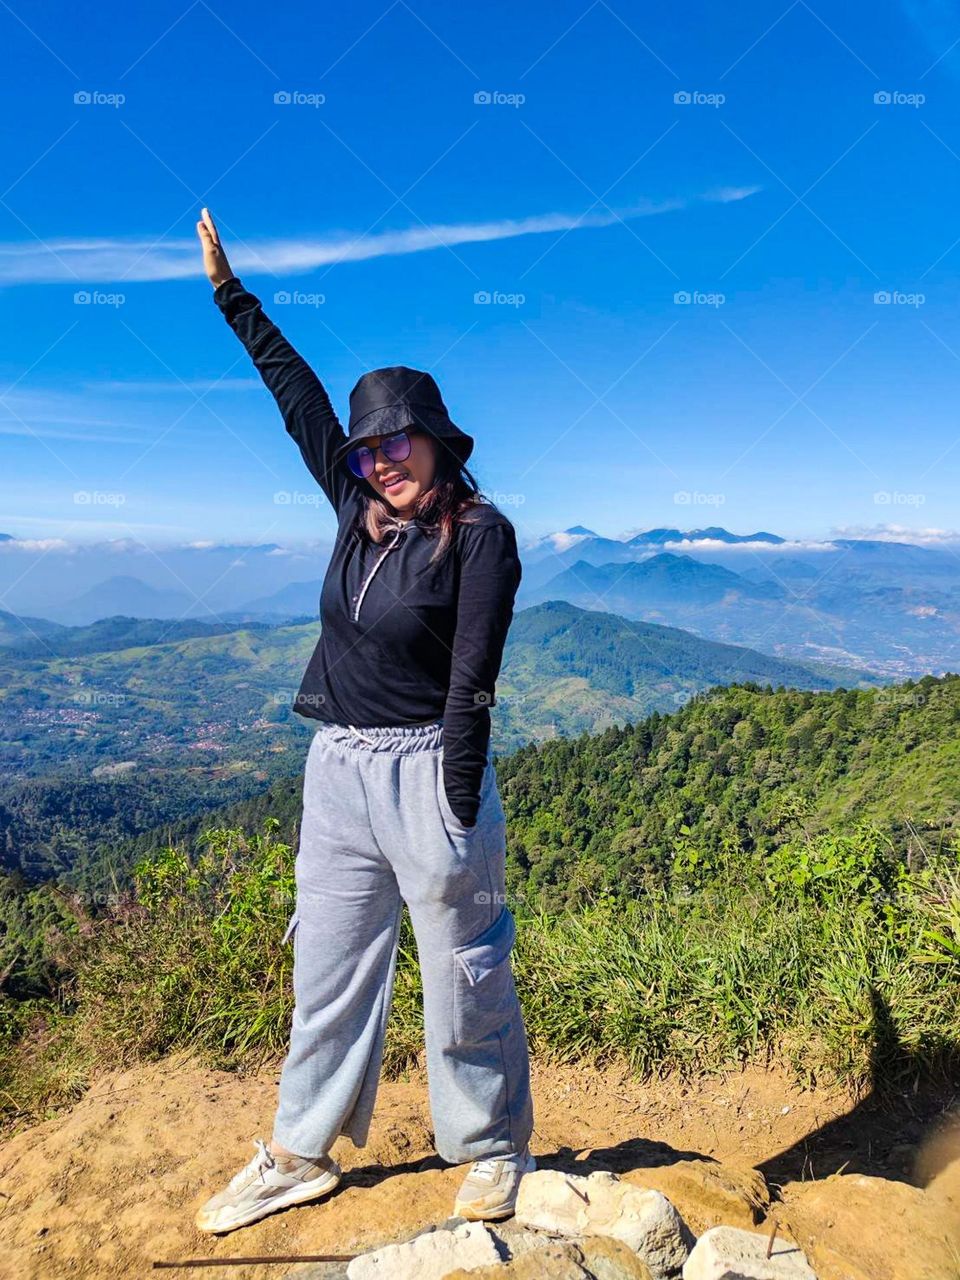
378, 831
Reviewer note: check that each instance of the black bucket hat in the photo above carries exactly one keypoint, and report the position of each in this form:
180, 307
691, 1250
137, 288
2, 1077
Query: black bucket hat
392, 399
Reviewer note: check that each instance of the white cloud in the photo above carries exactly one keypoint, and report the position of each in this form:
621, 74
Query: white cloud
717, 544
113, 546
54, 415
50, 414
15, 545
898, 533
84, 260
198, 386
938, 22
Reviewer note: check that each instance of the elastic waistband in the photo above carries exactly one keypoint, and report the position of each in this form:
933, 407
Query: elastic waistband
401, 739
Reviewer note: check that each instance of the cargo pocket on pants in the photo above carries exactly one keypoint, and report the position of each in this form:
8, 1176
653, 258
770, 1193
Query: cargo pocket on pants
483, 982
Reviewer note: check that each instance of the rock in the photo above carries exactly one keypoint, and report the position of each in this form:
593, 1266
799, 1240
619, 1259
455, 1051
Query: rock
609, 1259
593, 1258
727, 1253
429, 1256
602, 1204
708, 1194
853, 1227
547, 1262
513, 1240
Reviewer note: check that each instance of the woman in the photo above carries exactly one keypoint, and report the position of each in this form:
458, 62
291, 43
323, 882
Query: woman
400, 794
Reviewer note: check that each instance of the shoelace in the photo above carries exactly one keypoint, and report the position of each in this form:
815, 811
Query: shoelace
489, 1167
261, 1161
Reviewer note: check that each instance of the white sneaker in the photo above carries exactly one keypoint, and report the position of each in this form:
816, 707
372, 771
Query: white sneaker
489, 1191
263, 1186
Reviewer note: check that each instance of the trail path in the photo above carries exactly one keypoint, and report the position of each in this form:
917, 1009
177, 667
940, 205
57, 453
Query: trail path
104, 1189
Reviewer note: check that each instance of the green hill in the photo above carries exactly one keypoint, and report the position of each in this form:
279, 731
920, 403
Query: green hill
569, 670
168, 720
741, 769
744, 768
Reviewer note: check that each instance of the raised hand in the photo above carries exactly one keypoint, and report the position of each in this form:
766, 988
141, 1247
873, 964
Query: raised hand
214, 259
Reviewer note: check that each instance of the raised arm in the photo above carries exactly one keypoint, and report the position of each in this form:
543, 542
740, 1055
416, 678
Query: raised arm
303, 401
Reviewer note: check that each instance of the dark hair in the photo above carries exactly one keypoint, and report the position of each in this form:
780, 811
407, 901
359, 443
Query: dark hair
453, 494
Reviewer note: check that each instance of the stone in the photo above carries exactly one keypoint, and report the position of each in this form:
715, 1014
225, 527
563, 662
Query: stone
592, 1258
512, 1239
602, 1204
429, 1256
729, 1253
607, 1258
856, 1227
547, 1262
708, 1194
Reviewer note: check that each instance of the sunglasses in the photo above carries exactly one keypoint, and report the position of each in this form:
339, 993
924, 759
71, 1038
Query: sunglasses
395, 448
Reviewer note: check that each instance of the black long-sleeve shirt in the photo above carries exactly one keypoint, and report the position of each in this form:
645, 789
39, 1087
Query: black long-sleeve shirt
402, 641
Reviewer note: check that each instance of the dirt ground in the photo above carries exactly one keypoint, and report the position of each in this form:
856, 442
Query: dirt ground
871, 1191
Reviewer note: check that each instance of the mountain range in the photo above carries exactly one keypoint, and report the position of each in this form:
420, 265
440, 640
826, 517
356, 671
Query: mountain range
890, 607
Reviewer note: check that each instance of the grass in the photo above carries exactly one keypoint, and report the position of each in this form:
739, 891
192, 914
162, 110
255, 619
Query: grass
833, 958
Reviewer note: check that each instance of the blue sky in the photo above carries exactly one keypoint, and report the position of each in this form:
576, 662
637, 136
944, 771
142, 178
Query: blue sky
782, 197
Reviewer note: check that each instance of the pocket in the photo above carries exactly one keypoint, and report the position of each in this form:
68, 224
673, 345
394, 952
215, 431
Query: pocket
483, 993
450, 819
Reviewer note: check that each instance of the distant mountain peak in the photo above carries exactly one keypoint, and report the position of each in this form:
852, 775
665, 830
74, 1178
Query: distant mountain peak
563, 540
873, 546
265, 548
713, 533
123, 595
665, 579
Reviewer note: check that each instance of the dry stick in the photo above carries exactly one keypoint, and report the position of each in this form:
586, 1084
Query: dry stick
577, 1192
273, 1257
773, 1232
